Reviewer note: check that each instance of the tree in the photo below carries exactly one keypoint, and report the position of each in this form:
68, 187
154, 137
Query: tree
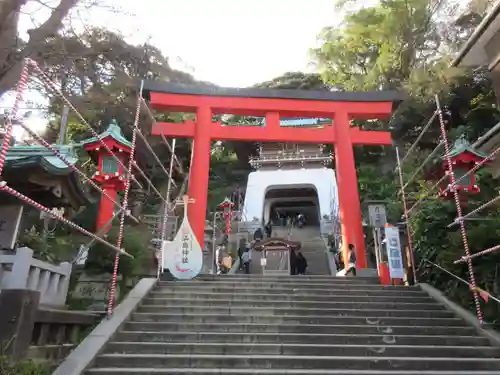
295, 81
14, 49
100, 73
383, 46
405, 45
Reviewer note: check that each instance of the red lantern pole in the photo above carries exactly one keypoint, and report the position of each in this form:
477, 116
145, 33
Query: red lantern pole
228, 215
227, 211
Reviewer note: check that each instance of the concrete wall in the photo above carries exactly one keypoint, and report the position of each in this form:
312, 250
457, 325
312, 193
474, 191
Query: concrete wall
260, 182
270, 201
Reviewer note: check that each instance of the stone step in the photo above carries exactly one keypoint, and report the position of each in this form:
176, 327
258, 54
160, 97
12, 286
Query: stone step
291, 292
216, 371
284, 327
282, 288
303, 297
297, 320
230, 348
302, 312
377, 338
338, 282
207, 303
296, 362
241, 277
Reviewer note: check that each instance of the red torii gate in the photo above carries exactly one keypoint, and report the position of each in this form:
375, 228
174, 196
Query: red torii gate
341, 106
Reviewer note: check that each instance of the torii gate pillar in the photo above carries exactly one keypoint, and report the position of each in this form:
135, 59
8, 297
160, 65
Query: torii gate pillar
199, 172
347, 184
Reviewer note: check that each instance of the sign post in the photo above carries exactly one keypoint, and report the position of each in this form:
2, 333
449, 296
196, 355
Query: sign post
378, 215
394, 255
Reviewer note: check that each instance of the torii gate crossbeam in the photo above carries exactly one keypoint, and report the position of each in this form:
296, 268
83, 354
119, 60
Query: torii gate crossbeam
274, 104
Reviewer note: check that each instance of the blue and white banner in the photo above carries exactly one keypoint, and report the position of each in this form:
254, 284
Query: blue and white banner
394, 255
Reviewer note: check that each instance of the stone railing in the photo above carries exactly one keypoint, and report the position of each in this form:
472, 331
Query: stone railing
30, 331
56, 332
19, 270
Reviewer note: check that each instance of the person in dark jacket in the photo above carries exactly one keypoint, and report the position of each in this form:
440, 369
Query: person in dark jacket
351, 262
258, 236
301, 264
293, 262
269, 229
241, 249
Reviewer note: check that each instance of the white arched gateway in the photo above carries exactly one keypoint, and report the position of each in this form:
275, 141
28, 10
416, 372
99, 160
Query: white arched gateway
313, 191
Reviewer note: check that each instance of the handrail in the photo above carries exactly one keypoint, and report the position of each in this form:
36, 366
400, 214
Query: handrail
483, 293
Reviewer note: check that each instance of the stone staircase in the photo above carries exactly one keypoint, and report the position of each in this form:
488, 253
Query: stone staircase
249, 324
313, 248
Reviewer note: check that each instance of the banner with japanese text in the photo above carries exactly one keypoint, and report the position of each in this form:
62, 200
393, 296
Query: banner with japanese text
394, 255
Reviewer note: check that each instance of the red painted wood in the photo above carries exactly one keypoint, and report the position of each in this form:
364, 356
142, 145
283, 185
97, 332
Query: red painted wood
277, 134
261, 106
198, 173
347, 185
106, 207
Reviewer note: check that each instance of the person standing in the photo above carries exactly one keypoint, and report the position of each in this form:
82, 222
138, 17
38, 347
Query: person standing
257, 235
268, 229
246, 261
241, 249
293, 262
218, 258
351, 261
301, 264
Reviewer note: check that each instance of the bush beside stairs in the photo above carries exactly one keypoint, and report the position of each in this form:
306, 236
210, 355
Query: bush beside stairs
250, 324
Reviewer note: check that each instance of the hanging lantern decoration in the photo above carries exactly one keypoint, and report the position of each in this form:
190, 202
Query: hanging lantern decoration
227, 210
463, 159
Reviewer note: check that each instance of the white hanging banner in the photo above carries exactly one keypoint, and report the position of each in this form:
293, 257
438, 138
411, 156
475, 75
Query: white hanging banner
183, 256
394, 256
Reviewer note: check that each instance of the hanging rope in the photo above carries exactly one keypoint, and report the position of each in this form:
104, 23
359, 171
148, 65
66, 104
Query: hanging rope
31, 202
477, 210
431, 190
422, 165
56, 90
148, 146
57, 153
451, 174
119, 241
407, 218
422, 132
3, 154
486, 296
469, 257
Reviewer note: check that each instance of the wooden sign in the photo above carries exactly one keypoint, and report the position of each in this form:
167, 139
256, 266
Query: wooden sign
184, 255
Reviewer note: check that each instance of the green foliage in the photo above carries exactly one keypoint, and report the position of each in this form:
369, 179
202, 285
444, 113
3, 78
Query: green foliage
374, 185
376, 47
441, 245
26, 367
49, 247
399, 45
296, 81
136, 240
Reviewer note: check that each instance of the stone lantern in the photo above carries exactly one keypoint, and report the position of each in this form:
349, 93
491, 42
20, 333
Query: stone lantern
110, 174
463, 159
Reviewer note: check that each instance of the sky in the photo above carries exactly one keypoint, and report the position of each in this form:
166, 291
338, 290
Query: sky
227, 42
